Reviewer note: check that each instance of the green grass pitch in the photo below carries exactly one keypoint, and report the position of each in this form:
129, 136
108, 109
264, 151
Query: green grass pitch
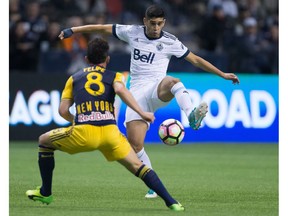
208, 179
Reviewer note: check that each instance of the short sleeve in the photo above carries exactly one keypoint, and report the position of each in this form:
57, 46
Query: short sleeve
119, 77
122, 31
180, 50
67, 93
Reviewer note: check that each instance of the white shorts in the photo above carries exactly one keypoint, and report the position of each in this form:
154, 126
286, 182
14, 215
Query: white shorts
147, 98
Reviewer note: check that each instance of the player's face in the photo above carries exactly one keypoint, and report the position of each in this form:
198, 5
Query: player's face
154, 26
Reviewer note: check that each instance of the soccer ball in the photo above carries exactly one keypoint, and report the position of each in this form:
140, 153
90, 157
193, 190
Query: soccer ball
171, 132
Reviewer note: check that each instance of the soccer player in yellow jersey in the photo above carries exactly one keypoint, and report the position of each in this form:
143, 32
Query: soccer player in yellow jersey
93, 90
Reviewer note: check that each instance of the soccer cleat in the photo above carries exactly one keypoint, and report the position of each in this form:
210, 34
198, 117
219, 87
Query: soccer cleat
36, 196
151, 194
177, 207
197, 115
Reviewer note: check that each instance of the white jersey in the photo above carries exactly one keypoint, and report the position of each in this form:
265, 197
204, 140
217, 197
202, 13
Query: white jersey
149, 57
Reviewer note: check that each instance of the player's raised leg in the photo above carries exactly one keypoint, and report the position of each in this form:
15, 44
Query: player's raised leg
150, 178
136, 132
172, 87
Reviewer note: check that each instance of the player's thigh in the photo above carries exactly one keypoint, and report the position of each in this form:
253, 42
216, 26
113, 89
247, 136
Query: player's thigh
76, 139
164, 88
114, 145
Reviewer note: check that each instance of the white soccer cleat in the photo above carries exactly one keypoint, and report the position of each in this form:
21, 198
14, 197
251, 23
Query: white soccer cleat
151, 194
197, 115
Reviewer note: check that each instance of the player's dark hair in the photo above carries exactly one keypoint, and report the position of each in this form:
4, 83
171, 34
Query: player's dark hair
154, 11
97, 51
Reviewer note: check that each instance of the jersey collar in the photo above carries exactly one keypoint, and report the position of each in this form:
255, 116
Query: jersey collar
99, 65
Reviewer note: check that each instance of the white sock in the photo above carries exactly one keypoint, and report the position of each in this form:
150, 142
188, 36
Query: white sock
144, 158
182, 97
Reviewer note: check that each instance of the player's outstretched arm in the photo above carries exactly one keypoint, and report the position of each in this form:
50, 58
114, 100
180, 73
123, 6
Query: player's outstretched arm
207, 66
101, 29
128, 98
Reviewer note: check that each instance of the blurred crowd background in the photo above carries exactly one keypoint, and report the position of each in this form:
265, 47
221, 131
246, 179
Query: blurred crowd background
238, 36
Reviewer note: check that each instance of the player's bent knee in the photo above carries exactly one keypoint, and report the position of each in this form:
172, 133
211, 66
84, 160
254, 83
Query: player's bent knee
170, 82
44, 140
175, 80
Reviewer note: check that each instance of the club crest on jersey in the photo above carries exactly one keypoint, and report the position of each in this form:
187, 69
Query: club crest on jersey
159, 46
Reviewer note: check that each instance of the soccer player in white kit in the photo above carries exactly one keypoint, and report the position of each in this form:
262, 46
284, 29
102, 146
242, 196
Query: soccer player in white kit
151, 51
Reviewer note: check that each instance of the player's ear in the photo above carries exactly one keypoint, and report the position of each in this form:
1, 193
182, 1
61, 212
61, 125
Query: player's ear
87, 60
107, 60
145, 21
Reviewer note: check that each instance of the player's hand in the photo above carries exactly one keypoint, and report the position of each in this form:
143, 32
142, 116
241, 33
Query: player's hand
233, 77
148, 116
66, 33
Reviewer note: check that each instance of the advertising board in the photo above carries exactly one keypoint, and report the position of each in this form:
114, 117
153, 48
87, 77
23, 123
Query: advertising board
248, 112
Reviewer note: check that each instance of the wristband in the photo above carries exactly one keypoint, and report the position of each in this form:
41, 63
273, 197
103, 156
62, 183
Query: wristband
67, 32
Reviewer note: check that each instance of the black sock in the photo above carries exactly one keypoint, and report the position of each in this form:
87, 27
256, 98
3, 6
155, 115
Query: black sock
46, 165
152, 181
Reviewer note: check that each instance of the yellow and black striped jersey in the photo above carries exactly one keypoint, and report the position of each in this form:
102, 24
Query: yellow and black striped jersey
92, 91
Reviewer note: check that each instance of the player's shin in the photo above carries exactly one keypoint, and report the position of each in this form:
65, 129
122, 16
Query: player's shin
151, 179
182, 97
46, 164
